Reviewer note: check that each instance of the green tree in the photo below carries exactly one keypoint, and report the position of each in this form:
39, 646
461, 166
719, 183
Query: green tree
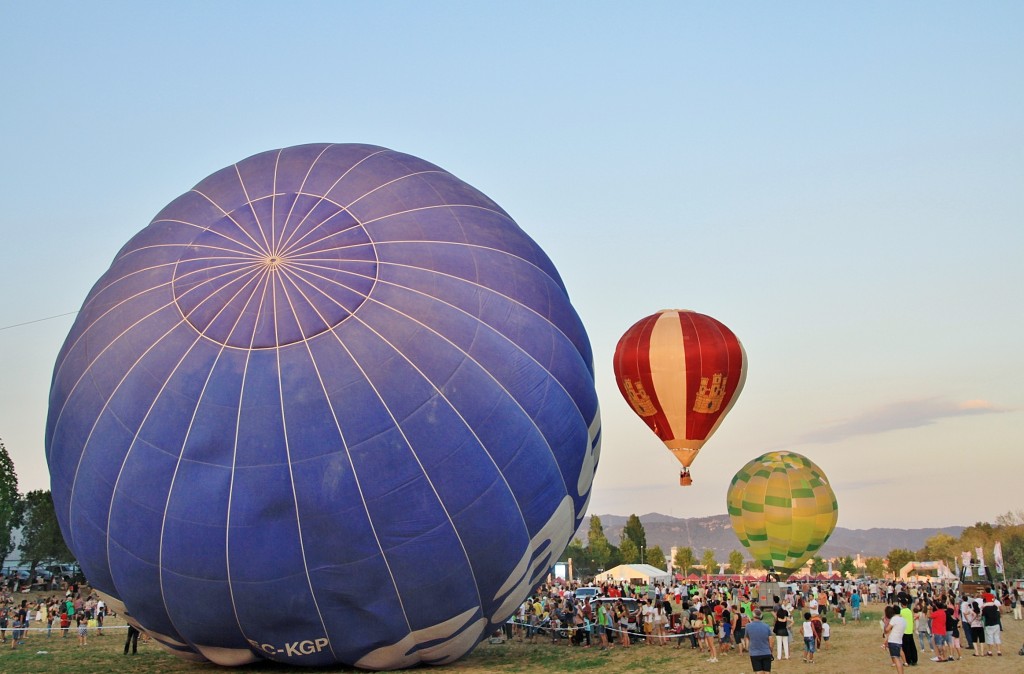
939, 547
41, 539
629, 553
980, 535
898, 558
599, 548
709, 562
818, 565
11, 506
634, 531
1013, 555
656, 557
1009, 531
983, 527
614, 557
847, 567
875, 567
736, 562
578, 554
684, 560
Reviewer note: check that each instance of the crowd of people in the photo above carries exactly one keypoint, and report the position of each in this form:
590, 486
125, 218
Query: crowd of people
51, 615
715, 618
948, 624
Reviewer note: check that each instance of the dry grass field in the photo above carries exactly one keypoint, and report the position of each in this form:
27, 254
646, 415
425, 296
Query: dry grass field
853, 648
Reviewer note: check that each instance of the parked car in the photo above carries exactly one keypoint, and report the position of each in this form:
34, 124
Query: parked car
587, 593
68, 572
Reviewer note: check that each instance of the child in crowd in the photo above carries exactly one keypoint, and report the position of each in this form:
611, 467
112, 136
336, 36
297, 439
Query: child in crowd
809, 638
83, 628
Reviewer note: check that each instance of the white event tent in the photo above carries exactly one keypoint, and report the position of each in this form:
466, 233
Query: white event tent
634, 573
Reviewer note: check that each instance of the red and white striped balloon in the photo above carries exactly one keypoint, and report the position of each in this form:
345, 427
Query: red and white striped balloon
681, 372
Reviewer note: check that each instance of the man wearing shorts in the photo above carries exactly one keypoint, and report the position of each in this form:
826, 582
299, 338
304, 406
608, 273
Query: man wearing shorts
760, 638
940, 634
991, 621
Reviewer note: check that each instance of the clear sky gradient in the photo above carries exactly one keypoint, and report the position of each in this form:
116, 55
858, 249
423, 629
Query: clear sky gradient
842, 184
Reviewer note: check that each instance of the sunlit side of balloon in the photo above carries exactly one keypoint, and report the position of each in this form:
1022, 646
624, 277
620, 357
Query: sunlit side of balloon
782, 509
681, 372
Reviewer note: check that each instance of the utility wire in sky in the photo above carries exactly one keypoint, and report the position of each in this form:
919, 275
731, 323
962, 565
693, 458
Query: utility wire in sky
38, 320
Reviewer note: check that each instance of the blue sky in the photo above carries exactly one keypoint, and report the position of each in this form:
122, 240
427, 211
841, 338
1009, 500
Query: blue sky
840, 183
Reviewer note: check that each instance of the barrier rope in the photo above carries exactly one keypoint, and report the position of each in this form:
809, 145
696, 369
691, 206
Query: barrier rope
72, 629
545, 625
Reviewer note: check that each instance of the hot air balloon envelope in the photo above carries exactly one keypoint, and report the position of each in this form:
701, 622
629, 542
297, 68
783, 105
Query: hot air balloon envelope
782, 509
332, 405
681, 372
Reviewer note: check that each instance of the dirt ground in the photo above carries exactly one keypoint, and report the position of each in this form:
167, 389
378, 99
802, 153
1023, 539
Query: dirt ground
854, 647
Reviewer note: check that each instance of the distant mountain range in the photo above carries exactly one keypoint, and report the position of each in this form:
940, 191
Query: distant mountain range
716, 532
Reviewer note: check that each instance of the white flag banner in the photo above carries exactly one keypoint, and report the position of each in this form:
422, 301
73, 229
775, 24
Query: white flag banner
997, 554
966, 557
981, 562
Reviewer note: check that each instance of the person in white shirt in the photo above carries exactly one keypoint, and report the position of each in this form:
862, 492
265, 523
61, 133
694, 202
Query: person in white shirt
647, 613
892, 636
809, 640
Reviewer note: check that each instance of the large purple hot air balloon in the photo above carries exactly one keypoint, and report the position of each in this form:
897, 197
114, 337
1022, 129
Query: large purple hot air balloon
332, 405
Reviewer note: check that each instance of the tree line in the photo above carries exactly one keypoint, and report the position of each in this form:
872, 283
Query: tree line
599, 554
33, 513
1008, 530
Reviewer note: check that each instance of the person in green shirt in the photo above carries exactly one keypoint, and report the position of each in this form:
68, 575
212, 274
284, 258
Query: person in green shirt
909, 645
747, 615
603, 624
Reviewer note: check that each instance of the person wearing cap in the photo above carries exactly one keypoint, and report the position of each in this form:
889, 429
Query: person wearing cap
760, 637
990, 615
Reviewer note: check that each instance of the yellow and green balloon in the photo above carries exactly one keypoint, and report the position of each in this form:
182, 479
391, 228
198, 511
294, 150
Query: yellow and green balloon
782, 509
